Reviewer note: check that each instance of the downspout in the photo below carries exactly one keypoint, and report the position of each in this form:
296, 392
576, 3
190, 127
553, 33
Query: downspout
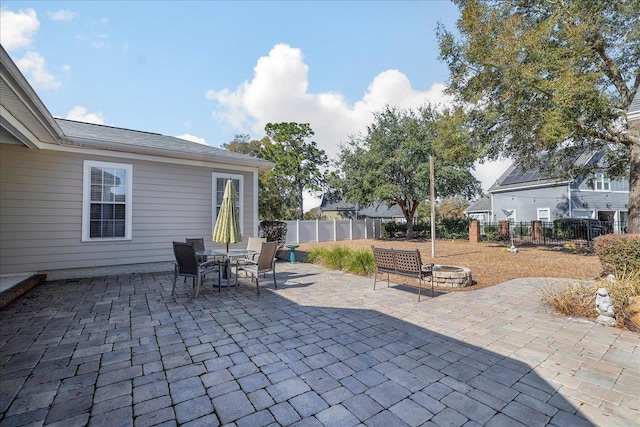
569, 192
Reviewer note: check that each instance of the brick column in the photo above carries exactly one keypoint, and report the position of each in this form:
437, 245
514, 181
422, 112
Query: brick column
536, 230
474, 231
503, 229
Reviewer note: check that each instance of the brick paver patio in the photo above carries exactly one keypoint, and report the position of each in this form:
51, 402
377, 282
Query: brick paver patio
323, 350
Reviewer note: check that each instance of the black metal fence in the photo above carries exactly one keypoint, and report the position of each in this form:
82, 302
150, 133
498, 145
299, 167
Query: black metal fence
559, 232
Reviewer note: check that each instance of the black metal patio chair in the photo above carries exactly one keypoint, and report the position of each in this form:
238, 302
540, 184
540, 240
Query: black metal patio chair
187, 265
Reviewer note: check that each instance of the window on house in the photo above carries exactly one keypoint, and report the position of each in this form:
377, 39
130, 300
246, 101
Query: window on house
219, 183
602, 183
544, 214
106, 202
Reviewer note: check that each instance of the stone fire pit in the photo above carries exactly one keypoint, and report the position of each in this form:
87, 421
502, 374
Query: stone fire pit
451, 276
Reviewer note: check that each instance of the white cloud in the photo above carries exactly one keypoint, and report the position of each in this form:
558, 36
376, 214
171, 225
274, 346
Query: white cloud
489, 172
62, 15
34, 68
278, 92
192, 138
17, 28
80, 114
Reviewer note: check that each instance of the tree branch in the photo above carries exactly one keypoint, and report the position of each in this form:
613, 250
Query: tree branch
609, 68
612, 135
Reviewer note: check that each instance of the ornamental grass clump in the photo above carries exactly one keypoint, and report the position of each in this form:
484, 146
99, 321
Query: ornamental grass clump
578, 300
354, 261
360, 262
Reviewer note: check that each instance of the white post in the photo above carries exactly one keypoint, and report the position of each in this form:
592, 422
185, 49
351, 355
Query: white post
317, 230
350, 228
298, 230
335, 230
365, 229
433, 207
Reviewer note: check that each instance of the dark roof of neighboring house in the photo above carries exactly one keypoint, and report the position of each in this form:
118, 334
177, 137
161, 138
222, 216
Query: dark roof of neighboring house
518, 176
132, 141
377, 210
483, 204
381, 211
332, 204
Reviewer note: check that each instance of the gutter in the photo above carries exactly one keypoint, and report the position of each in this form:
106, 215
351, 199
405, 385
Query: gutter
176, 154
525, 187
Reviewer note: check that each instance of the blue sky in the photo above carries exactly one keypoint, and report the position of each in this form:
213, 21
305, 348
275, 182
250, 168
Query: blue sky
207, 70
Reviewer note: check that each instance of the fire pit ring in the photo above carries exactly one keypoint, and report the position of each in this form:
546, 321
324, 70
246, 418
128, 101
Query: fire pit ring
451, 276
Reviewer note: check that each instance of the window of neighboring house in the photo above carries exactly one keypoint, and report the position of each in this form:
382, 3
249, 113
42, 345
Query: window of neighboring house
601, 182
106, 201
219, 182
544, 214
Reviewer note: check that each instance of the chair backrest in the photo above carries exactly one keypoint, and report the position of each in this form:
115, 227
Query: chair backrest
186, 259
197, 242
267, 255
383, 259
255, 244
408, 262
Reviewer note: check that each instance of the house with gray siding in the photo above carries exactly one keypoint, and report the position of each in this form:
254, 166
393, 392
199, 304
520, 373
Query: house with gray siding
84, 196
480, 210
524, 195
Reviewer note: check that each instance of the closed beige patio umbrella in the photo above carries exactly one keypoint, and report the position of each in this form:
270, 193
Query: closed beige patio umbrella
227, 228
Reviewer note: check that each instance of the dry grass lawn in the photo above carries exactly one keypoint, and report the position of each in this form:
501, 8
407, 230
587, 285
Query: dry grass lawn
488, 262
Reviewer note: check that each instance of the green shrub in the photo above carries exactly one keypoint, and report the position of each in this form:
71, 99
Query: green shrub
491, 233
394, 229
273, 231
522, 230
618, 253
422, 230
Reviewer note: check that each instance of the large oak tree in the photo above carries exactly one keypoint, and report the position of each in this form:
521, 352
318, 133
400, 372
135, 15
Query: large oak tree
390, 164
550, 76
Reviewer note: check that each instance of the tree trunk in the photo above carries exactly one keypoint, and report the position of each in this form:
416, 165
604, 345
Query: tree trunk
300, 202
634, 188
409, 226
408, 216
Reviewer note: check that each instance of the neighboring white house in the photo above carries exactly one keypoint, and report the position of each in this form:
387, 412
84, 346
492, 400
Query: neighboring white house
80, 195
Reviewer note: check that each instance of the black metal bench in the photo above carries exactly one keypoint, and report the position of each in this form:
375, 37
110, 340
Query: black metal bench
404, 263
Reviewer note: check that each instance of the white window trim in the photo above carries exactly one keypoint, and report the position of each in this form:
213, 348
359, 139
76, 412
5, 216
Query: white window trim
548, 213
86, 199
214, 190
604, 180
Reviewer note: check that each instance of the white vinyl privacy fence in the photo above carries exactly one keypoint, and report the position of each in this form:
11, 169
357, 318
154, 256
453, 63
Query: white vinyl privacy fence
333, 230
